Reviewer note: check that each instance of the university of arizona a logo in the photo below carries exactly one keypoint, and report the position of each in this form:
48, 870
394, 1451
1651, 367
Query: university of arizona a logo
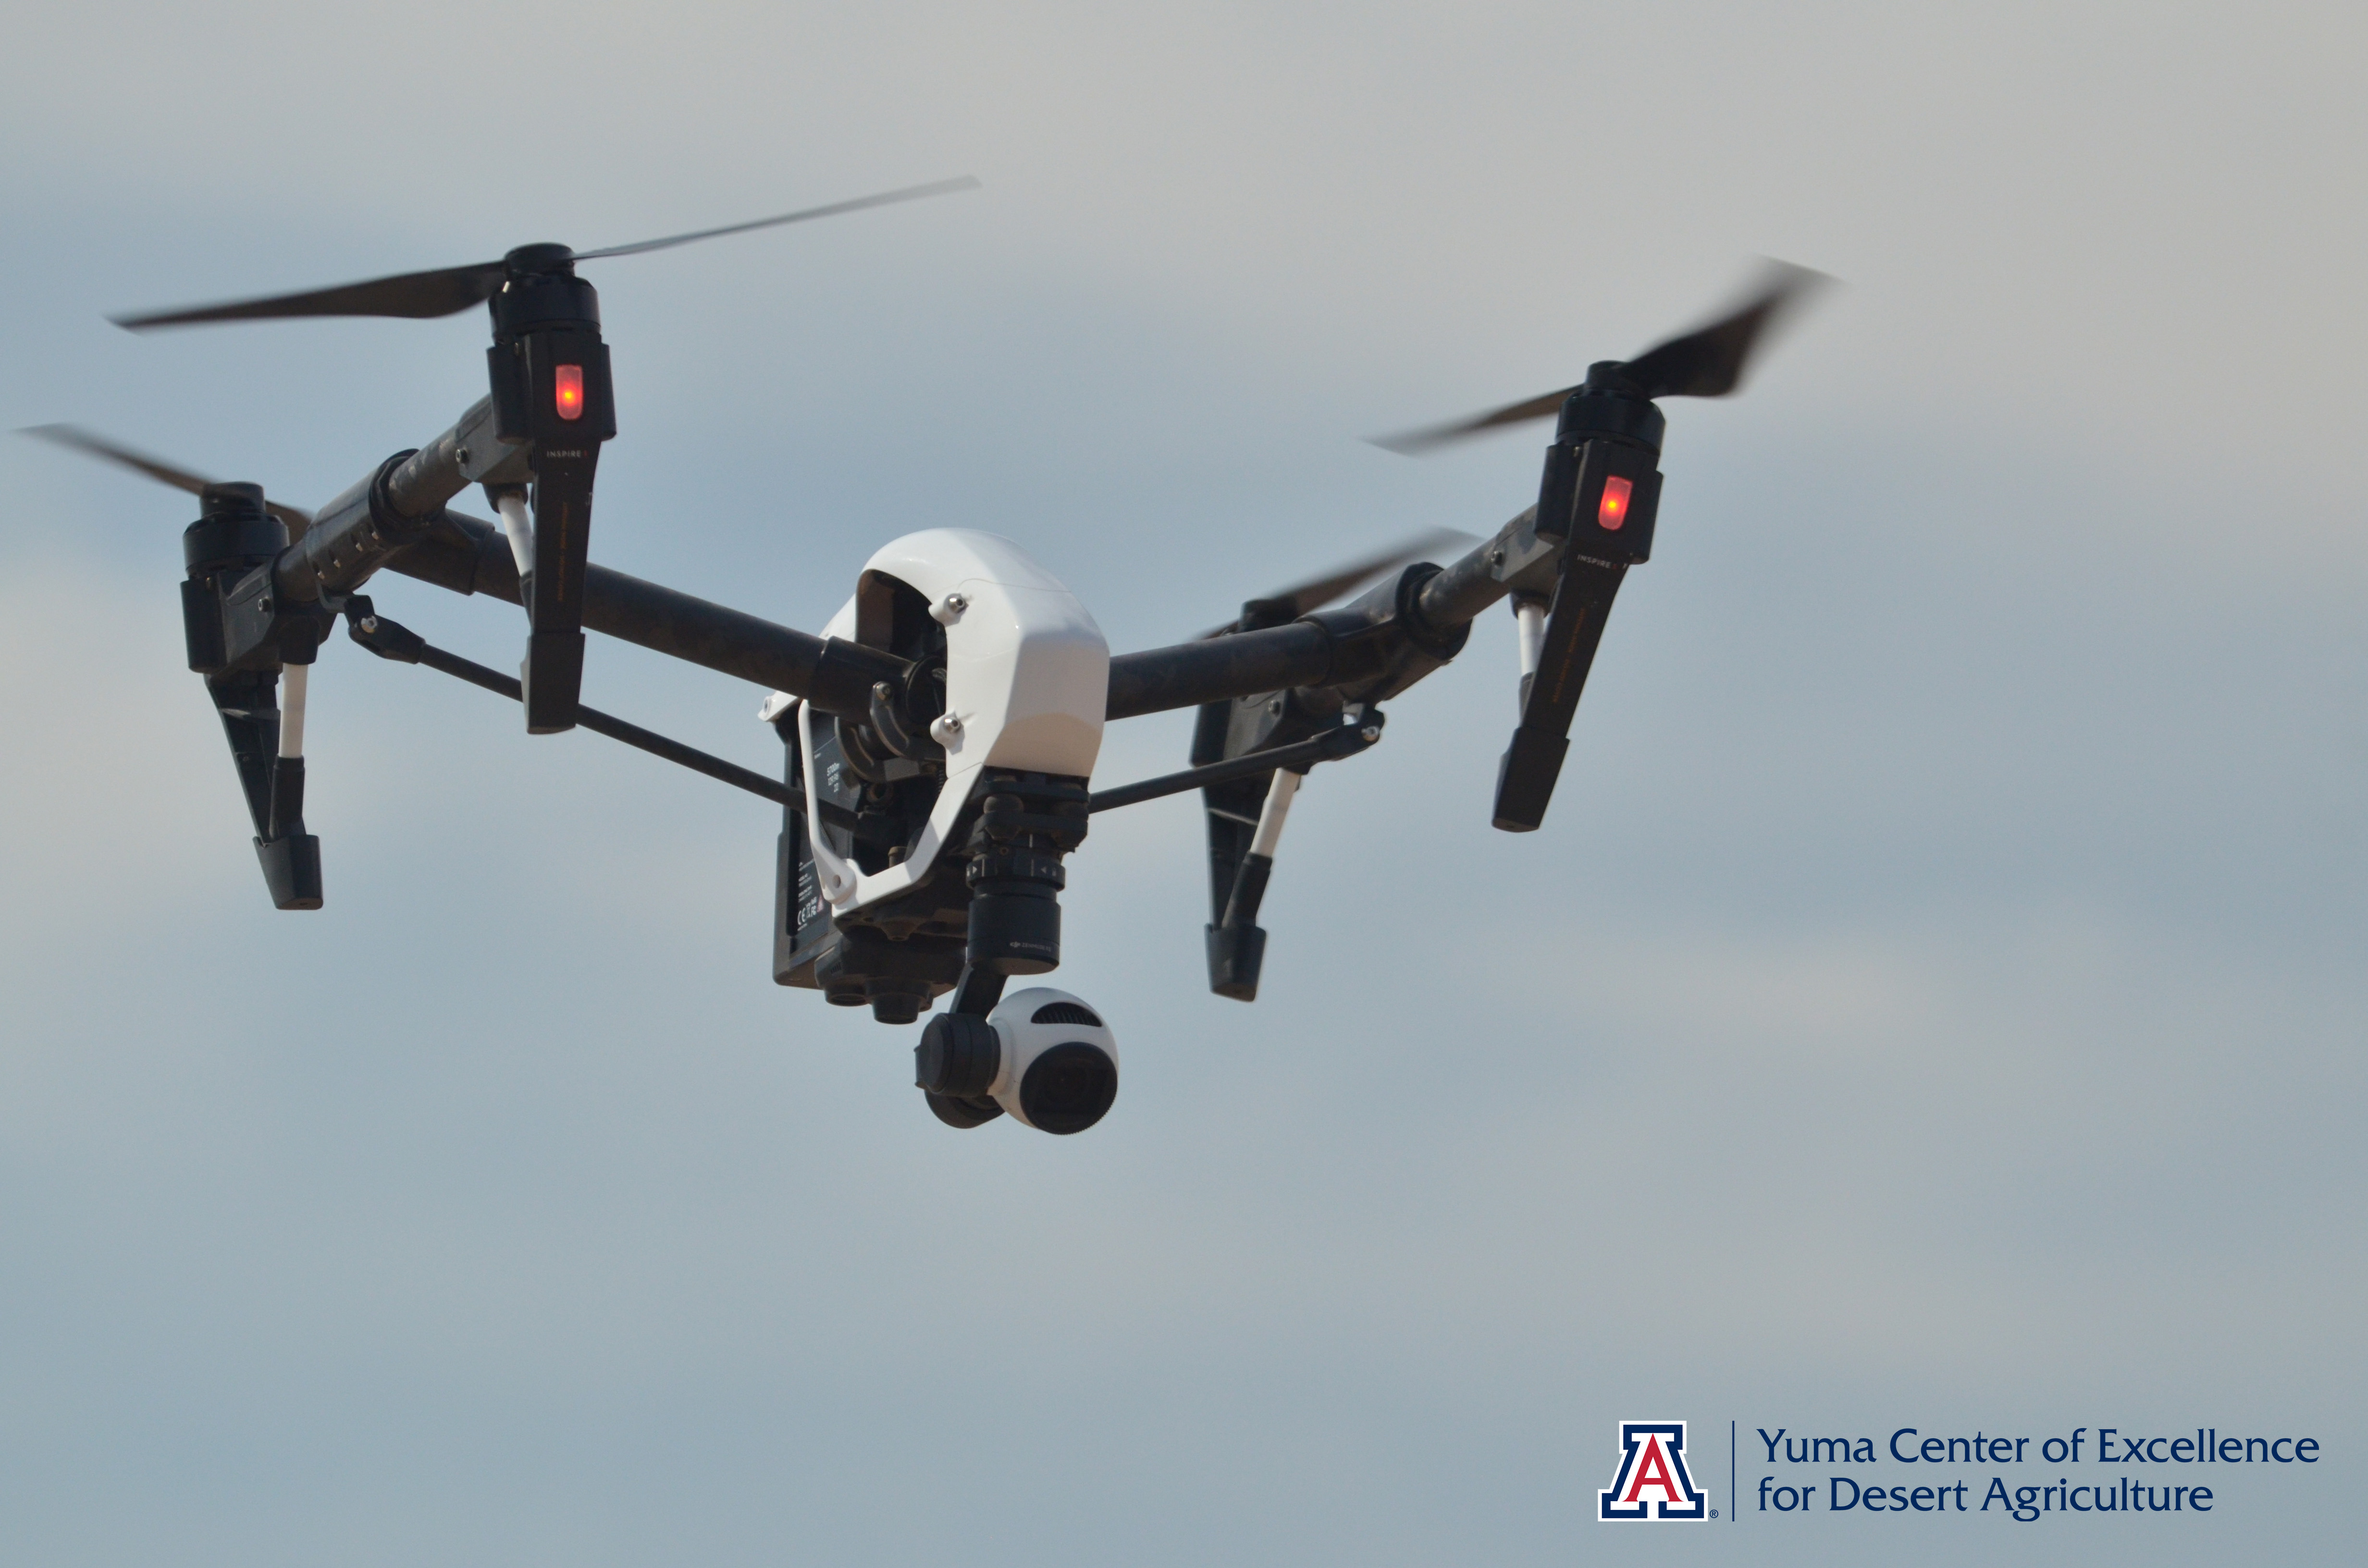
1652, 1482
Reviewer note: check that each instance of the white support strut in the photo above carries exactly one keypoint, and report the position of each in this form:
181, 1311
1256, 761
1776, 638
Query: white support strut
845, 884
1532, 616
512, 507
1529, 615
292, 679
1277, 806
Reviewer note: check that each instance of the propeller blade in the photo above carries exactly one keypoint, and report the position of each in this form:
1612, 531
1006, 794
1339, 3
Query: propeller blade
155, 468
1318, 592
423, 296
1710, 360
885, 198
1413, 442
413, 296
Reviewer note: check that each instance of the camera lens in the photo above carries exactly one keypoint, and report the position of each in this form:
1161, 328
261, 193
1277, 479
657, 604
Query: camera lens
1069, 1087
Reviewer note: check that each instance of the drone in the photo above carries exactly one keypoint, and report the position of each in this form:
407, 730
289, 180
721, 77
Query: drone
940, 734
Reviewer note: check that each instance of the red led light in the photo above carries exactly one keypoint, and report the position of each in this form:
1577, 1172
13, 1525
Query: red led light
567, 394
1610, 516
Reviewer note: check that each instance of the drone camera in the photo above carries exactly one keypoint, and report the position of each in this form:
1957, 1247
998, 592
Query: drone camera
1059, 1072
1041, 1055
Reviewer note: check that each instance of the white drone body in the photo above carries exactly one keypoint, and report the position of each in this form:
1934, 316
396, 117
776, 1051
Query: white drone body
1026, 682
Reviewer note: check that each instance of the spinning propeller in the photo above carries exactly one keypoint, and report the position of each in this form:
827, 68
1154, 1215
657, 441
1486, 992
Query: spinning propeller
256, 656
1597, 503
423, 296
551, 408
1709, 361
1289, 604
157, 468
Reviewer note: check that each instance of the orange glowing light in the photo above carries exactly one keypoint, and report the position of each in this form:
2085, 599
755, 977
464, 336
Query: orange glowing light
1614, 510
567, 392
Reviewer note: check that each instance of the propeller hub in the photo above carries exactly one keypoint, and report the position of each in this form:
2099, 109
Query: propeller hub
232, 530
1610, 404
542, 289
1611, 375
543, 259
223, 503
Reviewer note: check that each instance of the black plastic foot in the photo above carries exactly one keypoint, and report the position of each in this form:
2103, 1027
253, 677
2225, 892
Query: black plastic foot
552, 676
1236, 954
1525, 779
291, 870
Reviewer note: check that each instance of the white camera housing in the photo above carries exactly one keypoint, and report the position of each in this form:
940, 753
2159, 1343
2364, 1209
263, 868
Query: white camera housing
1057, 1071
1026, 682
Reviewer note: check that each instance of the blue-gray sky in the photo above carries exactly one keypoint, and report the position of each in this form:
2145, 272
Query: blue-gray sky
1935, 997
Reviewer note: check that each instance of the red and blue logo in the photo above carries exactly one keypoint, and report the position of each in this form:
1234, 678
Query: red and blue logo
1653, 1483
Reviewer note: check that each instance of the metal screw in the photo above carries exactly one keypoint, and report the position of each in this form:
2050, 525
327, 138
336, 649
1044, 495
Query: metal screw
1371, 733
370, 623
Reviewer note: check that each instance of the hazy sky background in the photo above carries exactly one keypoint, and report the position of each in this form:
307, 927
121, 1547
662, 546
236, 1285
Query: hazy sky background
1934, 999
